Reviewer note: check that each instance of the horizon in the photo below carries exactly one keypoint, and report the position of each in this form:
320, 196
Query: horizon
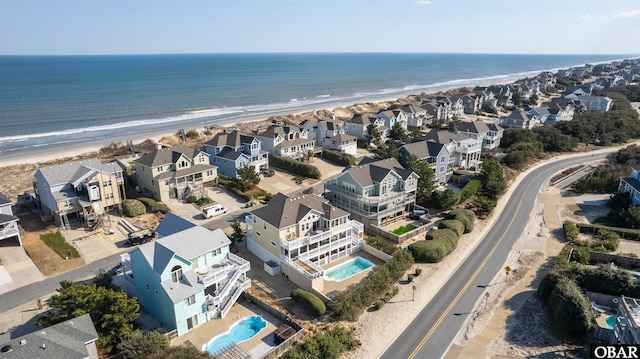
139, 27
634, 55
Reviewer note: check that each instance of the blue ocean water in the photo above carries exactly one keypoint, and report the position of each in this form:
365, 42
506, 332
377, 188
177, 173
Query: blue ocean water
50, 102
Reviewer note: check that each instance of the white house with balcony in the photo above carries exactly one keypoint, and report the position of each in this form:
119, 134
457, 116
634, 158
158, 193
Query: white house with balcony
301, 235
187, 277
9, 227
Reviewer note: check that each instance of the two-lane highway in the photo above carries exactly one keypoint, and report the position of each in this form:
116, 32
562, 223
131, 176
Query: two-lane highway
431, 333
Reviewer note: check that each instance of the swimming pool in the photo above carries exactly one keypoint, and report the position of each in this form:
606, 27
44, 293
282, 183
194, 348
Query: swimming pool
611, 321
347, 269
244, 329
635, 276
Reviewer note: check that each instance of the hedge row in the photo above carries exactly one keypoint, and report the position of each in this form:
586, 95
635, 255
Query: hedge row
133, 208
623, 232
339, 158
570, 308
328, 344
454, 225
154, 206
607, 241
314, 305
470, 189
293, 166
352, 302
382, 244
439, 243
466, 216
600, 279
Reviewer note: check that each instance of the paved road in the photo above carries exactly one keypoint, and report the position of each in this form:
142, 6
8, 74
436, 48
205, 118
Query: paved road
431, 333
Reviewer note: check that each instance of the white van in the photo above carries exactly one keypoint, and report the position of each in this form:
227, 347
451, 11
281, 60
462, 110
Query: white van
213, 210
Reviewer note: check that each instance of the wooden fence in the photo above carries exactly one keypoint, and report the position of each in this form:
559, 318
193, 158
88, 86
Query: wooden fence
622, 261
282, 347
627, 233
423, 228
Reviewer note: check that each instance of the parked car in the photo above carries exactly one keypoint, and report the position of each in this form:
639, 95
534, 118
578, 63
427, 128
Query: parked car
213, 210
417, 213
267, 172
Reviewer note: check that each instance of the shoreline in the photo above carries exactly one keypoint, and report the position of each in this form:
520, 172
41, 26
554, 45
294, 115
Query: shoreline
39, 157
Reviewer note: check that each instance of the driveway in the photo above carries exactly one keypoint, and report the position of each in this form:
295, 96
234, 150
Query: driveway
284, 182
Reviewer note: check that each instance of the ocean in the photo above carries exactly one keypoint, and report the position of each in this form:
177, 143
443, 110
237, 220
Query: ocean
55, 102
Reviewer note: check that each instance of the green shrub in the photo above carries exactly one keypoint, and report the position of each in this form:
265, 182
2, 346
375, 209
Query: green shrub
339, 158
154, 206
428, 251
483, 205
382, 244
328, 344
314, 305
193, 134
133, 208
293, 166
571, 231
465, 216
379, 304
453, 224
418, 271
192, 198
448, 237
446, 199
470, 189
570, 308
56, 241
395, 291
410, 278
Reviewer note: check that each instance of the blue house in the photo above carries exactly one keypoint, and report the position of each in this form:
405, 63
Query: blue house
631, 185
435, 154
230, 151
186, 277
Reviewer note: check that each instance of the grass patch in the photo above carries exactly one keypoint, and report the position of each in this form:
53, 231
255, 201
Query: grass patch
403, 229
56, 242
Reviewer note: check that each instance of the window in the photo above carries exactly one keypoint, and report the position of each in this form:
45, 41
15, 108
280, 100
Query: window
176, 274
441, 169
201, 158
108, 195
191, 300
157, 293
67, 203
148, 287
106, 183
273, 243
264, 224
442, 159
255, 145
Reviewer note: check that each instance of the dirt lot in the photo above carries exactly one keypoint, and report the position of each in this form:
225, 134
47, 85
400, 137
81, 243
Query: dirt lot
48, 262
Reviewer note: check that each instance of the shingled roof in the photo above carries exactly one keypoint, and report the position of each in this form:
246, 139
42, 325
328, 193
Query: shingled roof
423, 149
443, 136
74, 171
283, 211
165, 156
374, 172
231, 139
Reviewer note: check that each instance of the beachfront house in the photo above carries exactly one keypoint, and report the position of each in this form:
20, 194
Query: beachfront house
464, 151
436, 155
72, 339
81, 191
559, 111
298, 235
357, 126
175, 172
436, 111
9, 227
520, 119
631, 185
187, 276
592, 103
378, 192
230, 151
471, 103
287, 141
489, 133
330, 134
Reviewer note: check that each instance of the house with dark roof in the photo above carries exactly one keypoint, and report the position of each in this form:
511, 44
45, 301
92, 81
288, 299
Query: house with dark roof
592, 103
175, 172
464, 151
489, 133
631, 185
234, 150
9, 227
330, 134
287, 141
377, 192
437, 111
471, 102
80, 191
436, 155
559, 111
392, 116
417, 116
71, 339
187, 276
300, 235
520, 119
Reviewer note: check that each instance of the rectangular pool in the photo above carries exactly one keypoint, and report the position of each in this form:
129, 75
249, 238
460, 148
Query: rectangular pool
347, 269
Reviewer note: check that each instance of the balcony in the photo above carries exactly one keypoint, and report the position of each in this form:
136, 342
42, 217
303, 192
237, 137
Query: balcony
320, 236
370, 200
10, 230
230, 266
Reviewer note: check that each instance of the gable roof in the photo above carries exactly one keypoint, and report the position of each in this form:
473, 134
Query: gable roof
477, 127
443, 136
66, 340
231, 139
275, 130
374, 172
74, 171
362, 119
4, 200
282, 211
423, 149
165, 156
171, 224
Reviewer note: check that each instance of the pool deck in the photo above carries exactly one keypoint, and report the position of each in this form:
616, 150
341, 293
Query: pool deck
256, 346
331, 286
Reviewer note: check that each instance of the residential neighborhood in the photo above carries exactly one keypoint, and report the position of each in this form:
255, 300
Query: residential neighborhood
317, 206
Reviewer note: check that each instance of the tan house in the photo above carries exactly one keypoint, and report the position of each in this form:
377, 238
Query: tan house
79, 191
174, 172
300, 235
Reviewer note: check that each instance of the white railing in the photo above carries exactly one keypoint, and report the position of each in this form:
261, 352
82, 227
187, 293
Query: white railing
9, 232
236, 263
327, 248
357, 226
236, 294
301, 269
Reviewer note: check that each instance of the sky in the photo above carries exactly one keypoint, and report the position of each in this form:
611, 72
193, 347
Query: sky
65, 27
